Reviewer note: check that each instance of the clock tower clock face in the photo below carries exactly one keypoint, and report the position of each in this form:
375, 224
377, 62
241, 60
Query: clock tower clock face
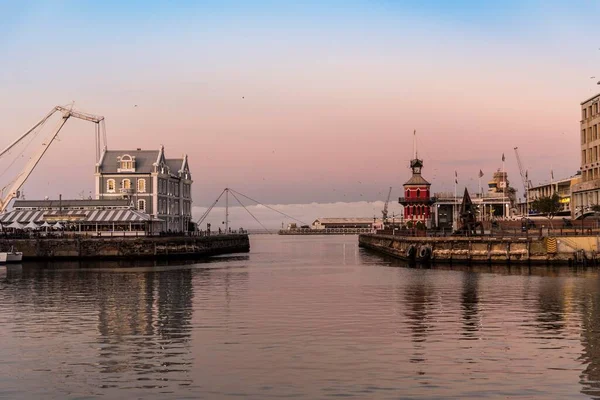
417, 170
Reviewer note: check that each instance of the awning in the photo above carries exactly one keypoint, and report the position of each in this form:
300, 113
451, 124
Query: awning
91, 216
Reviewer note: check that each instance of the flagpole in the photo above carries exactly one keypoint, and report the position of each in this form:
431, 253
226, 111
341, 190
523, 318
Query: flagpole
503, 189
526, 194
455, 216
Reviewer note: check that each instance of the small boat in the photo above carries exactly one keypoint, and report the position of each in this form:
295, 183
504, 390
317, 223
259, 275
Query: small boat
10, 256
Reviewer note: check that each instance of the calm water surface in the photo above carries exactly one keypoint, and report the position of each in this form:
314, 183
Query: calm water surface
299, 317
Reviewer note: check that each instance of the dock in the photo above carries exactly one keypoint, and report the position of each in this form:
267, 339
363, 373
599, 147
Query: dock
486, 249
125, 247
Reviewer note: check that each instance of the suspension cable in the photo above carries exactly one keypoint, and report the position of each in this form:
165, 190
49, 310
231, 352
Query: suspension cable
203, 216
252, 215
269, 207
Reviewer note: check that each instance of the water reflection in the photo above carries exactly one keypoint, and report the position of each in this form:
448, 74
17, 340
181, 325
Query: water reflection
298, 317
469, 305
144, 324
590, 338
418, 294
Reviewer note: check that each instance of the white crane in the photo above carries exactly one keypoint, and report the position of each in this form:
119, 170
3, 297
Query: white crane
524, 179
67, 113
384, 212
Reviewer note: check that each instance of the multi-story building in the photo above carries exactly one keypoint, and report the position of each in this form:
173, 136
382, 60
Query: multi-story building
587, 193
156, 185
561, 187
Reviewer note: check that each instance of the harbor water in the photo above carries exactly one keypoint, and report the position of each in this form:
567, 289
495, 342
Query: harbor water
298, 317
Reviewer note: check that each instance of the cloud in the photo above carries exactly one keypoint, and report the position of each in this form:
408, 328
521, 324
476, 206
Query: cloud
303, 213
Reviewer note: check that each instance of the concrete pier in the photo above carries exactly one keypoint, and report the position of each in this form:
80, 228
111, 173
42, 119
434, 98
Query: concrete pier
548, 250
126, 247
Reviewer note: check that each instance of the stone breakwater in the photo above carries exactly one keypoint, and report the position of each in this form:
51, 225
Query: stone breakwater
549, 250
126, 247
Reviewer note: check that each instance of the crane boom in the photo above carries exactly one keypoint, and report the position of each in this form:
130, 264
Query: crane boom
523, 173
35, 159
384, 212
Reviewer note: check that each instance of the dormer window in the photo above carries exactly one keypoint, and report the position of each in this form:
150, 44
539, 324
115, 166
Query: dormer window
126, 163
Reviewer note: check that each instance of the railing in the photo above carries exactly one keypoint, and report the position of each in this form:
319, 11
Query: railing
416, 200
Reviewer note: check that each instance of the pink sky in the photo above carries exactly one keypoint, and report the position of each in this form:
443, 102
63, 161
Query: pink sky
288, 116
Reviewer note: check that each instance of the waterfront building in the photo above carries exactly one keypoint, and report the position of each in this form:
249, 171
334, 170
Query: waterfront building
347, 223
95, 217
489, 207
560, 187
417, 199
586, 193
154, 184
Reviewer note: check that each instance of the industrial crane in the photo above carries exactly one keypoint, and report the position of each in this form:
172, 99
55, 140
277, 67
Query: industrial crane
523, 172
17, 183
384, 212
524, 179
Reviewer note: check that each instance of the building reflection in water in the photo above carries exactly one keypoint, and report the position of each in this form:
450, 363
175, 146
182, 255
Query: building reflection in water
590, 339
137, 318
144, 323
418, 294
470, 305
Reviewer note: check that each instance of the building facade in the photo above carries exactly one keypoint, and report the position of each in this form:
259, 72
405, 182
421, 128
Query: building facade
561, 187
417, 197
587, 193
154, 184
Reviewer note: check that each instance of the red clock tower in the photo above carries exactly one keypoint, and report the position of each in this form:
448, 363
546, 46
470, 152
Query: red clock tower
417, 195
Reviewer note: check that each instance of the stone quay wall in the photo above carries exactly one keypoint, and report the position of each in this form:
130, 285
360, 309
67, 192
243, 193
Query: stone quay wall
553, 250
126, 247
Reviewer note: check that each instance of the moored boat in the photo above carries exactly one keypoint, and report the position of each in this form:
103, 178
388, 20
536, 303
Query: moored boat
10, 256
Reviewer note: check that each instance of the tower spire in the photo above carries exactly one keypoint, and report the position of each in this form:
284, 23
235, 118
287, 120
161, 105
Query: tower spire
415, 144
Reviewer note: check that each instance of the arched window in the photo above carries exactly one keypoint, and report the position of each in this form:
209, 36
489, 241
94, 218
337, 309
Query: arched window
110, 186
418, 193
407, 193
126, 184
127, 163
141, 185
142, 205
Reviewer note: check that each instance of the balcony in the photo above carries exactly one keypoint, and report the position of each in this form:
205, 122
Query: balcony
416, 200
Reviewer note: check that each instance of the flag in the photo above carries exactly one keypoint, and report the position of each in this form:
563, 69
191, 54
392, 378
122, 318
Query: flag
526, 175
502, 157
455, 177
552, 174
480, 173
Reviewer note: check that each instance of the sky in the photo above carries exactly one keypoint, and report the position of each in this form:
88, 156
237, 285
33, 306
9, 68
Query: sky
303, 103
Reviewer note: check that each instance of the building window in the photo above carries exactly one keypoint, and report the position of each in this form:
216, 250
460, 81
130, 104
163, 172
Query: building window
584, 113
141, 185
583, 136
142, 205
583, 159
418, 193
126, 163
126, 184
110, 186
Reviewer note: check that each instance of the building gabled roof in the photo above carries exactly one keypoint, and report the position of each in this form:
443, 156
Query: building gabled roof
144, 160
175, 165
417, 180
